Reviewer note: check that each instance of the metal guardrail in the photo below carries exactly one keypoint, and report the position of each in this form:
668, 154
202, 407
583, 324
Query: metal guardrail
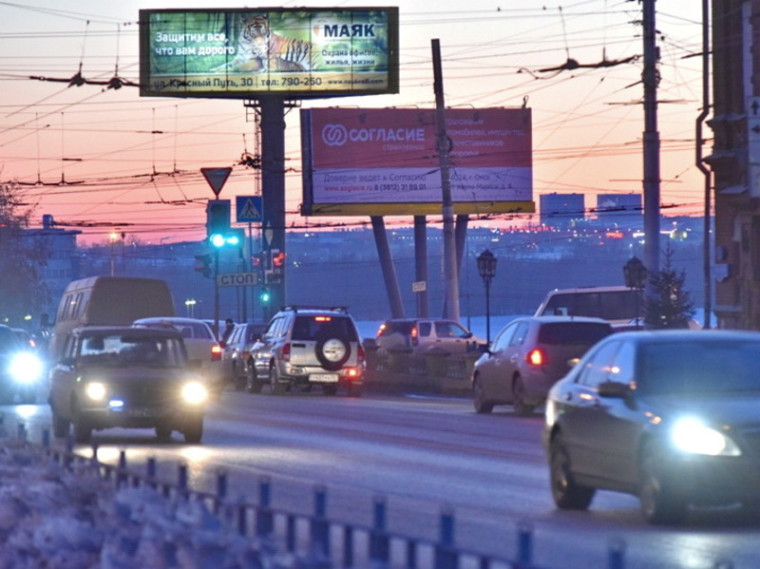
335, 543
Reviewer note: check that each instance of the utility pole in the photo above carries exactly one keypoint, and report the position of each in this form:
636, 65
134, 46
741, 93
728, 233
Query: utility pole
651, 78
451, 276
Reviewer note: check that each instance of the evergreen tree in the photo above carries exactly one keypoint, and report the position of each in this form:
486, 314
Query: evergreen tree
671, 305
22, 257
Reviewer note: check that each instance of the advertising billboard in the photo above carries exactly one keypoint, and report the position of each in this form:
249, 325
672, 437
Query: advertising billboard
385, 161
244, 53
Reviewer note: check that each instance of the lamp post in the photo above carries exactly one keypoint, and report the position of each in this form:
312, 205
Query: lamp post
190, 307
487, 270
635, 275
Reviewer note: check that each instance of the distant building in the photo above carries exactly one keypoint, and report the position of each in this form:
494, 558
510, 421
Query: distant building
561, 210
62, 264
623, 210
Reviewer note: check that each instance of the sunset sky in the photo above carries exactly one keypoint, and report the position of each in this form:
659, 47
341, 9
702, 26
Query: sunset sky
101, 159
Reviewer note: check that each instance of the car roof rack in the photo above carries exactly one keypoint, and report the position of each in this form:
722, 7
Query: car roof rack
297, 307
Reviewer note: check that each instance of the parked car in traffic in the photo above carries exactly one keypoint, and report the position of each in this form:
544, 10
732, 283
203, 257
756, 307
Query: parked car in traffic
129, 377
309, 347
203, 350
670, 416
21, 369
528, 356
236, 354
402, 344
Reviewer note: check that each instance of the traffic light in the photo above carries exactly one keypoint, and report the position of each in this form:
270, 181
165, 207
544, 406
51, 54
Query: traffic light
203, 265
217, 221
265, 296
278, 259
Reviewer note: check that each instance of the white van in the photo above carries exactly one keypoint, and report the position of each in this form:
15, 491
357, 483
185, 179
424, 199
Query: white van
109, 301
618, 305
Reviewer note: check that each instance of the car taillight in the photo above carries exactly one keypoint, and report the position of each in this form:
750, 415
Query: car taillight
286, 352
380, 330
536, 357
216, 353
415, 336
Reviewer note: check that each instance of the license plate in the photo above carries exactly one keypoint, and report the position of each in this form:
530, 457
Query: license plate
324, 377
142, 412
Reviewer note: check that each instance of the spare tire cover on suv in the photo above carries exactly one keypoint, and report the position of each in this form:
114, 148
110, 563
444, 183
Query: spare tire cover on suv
332, 353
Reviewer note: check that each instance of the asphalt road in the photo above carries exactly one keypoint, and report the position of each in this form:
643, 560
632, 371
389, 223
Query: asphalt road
421, 455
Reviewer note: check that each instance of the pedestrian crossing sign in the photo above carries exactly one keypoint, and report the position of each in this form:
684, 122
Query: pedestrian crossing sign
248, 208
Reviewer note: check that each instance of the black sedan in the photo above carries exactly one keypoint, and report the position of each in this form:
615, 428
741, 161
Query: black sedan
670, 416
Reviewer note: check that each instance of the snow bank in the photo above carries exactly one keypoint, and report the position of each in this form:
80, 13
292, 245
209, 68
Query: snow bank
70, 518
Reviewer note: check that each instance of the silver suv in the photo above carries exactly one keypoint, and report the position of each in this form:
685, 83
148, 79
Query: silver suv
306, 347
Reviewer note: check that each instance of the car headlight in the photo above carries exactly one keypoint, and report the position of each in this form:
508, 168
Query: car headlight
95, 390
692, 436
26, 367
194, 392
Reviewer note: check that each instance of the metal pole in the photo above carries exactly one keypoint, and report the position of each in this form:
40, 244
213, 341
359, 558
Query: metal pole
488, 311
451, 277
702, 168
216, 292
651, 145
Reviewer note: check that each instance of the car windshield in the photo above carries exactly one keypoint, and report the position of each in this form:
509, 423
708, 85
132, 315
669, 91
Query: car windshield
608, 305
323, 326
122, 350
699, 367
572, 333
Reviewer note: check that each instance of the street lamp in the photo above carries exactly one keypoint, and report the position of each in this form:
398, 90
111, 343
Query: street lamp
487, 270
190, 306
635, 275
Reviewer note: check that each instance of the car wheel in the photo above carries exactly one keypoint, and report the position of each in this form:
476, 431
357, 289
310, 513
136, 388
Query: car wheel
332, 353
330, 389
276, 387
60, 425
193, 431
479, 397
521, 408
163, 432
661, 502
253, 385
354, 390
82, 430
567, 494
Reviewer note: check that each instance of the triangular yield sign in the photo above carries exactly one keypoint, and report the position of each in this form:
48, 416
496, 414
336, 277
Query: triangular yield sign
216, 177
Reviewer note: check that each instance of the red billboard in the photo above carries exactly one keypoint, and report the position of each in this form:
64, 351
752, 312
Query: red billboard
385, 161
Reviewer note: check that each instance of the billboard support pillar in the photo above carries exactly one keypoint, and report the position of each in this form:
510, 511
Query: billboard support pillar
386, 264
421, 264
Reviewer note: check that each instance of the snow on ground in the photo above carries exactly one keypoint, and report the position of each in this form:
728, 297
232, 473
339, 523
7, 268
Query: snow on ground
59, 517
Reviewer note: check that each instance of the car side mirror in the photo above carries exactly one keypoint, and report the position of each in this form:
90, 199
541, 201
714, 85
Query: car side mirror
614, 389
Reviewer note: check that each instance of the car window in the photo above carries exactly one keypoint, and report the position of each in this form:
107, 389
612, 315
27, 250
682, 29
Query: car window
521, 331
699, 366
572, 333
502, 340
450, 330
275, 328
8, 341
121, 350
424, 329
323, 326
597, 368
623, 367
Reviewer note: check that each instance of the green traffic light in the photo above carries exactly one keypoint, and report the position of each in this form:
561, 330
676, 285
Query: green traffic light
217, 239
264, 296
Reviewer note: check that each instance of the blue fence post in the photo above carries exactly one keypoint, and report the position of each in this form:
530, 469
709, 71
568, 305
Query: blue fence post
379, 543
150, 469
221, 489
616, 554
348, 546
264, 519
242, 518
21, 431
320, 527
46, 438
121, 476
445, 553
524, 544
182, 479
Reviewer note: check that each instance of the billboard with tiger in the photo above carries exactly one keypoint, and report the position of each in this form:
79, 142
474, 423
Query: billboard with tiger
241, 53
